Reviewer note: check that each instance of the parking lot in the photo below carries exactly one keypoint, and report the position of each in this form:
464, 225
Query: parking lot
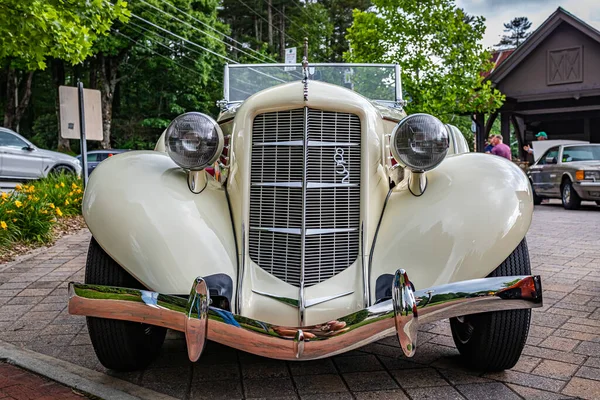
561, 358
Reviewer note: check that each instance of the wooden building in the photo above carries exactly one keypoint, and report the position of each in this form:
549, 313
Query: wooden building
551, 83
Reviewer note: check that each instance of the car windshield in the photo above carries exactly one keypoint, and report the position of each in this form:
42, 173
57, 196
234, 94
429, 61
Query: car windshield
581, 153
374, 81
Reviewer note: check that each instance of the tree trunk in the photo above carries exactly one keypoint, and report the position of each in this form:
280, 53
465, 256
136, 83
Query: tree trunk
15, 107
10, 107
58, 75
109, 67
256, 32
93, 73
270, 21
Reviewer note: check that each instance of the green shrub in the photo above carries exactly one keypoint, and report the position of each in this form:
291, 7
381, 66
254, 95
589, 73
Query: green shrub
29, 212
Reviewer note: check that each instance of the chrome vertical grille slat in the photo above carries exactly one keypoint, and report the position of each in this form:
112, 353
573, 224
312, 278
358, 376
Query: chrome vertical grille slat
333, 162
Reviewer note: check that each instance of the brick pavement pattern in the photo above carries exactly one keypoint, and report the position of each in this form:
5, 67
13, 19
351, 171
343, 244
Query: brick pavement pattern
561, 358
18, 384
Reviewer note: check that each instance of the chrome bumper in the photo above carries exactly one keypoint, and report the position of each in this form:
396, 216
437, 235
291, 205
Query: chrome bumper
400, 315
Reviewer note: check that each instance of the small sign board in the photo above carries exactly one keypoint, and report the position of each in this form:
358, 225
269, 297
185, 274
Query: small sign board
69, 113
290, 58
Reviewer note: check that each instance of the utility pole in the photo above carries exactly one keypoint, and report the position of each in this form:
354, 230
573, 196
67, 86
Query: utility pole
270, 19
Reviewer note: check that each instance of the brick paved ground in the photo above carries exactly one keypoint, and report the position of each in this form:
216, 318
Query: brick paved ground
18, 384
561, 358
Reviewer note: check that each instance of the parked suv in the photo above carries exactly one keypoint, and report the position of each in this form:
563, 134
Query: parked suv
21, 160
95, 157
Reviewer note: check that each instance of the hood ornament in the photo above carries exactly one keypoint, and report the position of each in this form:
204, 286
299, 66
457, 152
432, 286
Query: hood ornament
305, 69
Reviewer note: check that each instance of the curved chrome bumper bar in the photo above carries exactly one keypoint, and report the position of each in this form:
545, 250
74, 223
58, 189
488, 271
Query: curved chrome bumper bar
400, 315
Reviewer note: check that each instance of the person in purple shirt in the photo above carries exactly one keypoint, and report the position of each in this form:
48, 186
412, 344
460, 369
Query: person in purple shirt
500, 149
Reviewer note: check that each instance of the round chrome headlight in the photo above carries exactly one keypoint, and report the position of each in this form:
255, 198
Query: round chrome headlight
194, 141
420, 141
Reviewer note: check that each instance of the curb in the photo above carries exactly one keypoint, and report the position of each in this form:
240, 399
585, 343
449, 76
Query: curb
80, 378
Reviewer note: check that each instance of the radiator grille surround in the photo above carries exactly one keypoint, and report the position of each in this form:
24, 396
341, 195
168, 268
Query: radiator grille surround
305, 194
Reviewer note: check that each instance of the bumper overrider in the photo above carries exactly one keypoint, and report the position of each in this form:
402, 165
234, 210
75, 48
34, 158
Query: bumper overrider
399, 315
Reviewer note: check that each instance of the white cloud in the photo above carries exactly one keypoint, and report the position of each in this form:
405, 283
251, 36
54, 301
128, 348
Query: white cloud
497, 12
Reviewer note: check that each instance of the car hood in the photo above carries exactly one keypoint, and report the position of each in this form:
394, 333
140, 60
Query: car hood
584, 164
55, 155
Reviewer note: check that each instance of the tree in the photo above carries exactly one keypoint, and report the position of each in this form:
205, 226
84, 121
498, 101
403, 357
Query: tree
340, 15
437, 47
120, 56
517, 33
33, 31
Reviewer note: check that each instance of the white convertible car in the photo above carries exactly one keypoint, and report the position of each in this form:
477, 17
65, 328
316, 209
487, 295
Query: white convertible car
330, 220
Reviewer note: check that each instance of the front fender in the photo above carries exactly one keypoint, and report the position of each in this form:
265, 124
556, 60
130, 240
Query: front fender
475, 211
140, 210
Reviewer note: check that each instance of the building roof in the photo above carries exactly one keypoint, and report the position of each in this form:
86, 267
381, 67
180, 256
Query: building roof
498, 57
504, 67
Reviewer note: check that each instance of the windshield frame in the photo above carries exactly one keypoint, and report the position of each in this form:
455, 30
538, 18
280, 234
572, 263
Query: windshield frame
398, 81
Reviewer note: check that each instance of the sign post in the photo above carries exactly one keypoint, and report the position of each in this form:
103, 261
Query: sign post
76, 123
82, 141
290, 58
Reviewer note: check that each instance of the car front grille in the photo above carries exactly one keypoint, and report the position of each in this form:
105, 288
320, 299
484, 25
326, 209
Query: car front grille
305, 194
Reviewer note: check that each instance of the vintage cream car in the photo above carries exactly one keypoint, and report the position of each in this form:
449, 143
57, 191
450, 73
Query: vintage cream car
332, 220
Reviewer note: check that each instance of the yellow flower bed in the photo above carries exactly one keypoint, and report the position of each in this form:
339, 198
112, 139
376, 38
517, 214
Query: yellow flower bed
28, 213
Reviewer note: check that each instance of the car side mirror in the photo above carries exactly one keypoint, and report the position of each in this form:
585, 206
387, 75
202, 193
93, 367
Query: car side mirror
550, 160
28, 148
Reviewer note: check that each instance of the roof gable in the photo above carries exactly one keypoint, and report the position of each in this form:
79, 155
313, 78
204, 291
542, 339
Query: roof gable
537, 37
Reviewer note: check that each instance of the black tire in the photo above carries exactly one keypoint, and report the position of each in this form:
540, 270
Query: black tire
494, 341
570, 198
62, 169
119, 345
537, 200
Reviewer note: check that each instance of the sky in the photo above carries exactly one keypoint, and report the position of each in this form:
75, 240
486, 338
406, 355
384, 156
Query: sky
497, 12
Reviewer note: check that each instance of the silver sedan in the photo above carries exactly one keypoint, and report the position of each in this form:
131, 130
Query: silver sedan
21, 160
567, 172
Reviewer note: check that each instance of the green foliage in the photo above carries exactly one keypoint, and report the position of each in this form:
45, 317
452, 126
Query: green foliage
28, 213
436, 44
33, 30
45, 131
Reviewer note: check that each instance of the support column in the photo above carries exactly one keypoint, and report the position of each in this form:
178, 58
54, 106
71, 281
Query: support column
587, 132
505, 127
481, 133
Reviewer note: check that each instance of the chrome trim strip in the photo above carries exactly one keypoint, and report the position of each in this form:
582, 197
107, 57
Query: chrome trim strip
238, 298
319, 300
376, 233
292, 231
322, 340
289, 143
285, 300
310, 232
365, 268
302, 305
316, 185
316, 143
296, 303
279, 184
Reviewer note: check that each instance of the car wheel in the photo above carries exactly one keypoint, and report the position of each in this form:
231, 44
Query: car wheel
537, 200
62, 169
119, 345
494, 341
570, 198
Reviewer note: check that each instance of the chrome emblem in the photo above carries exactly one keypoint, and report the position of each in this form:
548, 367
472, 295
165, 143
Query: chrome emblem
340, 165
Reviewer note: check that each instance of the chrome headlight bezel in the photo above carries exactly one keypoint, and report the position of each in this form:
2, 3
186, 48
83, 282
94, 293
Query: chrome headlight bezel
202, 126
406, 155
